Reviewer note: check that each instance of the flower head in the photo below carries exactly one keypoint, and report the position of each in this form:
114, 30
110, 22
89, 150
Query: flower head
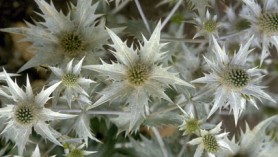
59, 38
264, 24
207, 26
137, 74
190, 125
72, 84
234, 83
26, 112
210, 141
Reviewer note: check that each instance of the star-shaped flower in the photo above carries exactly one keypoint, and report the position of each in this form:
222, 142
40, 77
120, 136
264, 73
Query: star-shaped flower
264, 26
27, 111
234, 82
210, 141
59, 38
137, 74
72, 84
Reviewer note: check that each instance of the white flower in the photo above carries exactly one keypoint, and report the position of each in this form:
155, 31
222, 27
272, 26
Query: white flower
234, 83
26, 112
264, 24
211, 142
72, 84
207, 26
59, 38
137, 74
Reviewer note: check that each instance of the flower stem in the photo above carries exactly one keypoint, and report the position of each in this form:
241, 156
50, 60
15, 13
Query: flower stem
142, 15
160, 141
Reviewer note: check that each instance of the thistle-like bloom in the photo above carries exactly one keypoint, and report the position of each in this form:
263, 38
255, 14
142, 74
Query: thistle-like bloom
234, 83
72, 84
211, 142
26, 112
59, 38
207, 26
137, 74
264, 24
190, 125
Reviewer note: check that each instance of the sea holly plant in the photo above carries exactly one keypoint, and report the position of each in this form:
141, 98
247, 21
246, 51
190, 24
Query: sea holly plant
235, 84
62, 37
73, 86
110, 78
136, 74
27, 111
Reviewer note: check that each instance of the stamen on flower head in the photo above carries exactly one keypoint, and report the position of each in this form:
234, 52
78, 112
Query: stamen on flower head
25, 114
210, 143
138, 74
71, 44
235, 78
269, 23
210, 25
69, 79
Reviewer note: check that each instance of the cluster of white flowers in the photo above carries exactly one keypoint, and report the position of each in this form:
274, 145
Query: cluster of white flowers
103, 76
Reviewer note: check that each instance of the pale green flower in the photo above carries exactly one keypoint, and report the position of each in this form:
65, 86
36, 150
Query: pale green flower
73, 86
27, 111
210, 141
137, 74
234, 82
190, 125
207, 26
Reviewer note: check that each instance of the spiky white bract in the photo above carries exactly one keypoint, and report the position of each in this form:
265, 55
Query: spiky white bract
73, 85
211, 141
59, 38
255, 142
264, 26
82, 128
27, 111
137, 74
234, 83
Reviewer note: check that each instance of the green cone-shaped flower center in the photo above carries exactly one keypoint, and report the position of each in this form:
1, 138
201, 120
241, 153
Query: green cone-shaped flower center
210, 143
269, 23
138, 74
75, 153
25, 114
69, 80
210, 25
236, 78
71, 44
192, 125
